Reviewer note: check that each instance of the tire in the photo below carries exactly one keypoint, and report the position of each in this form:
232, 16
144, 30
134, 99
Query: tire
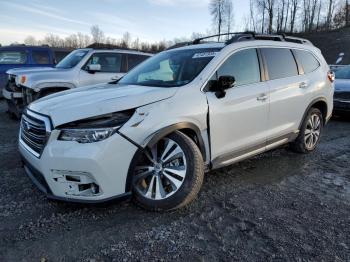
154, 185
310, 133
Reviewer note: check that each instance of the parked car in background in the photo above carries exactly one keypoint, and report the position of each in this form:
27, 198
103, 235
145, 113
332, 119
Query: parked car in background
15, 56
80, 68
342, 91
200, 107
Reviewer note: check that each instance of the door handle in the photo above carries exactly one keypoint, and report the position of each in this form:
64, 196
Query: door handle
303, 85
262, 98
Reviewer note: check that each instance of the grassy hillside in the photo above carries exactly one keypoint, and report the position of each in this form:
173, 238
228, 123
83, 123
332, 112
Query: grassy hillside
332, 43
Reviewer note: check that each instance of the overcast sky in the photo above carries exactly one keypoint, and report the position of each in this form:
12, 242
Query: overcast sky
150, 20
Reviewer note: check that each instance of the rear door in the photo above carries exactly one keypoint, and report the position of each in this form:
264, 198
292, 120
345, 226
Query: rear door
111, 68
238, 121
287, 89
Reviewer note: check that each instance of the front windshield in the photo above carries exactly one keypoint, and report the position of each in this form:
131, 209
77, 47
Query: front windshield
171, 68
343, 73
72, 59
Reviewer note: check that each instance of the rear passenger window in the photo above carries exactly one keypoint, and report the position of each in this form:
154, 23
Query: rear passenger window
280, 63
41, 57
243, 66
134, 60
307, 60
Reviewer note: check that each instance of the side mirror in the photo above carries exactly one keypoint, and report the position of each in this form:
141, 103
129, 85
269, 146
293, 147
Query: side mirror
219, 86
93, 68
226, 82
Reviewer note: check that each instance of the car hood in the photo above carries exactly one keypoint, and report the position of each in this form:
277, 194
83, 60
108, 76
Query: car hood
342, 85
25, 70
90, 101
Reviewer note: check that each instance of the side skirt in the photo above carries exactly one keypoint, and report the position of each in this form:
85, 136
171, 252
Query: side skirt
234, 157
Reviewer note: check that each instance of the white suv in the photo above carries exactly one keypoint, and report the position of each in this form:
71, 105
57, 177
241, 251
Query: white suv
184, 111
81, 67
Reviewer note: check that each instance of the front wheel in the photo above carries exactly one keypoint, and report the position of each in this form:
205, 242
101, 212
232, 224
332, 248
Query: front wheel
310, 132
168, 175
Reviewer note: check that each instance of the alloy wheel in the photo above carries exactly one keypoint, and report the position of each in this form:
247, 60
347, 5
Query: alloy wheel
312, 131
161, 170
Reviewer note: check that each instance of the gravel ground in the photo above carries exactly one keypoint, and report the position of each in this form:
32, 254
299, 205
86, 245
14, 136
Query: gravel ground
278, 206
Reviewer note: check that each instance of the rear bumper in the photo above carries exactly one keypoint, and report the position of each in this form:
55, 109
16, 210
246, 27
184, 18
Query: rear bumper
341, 105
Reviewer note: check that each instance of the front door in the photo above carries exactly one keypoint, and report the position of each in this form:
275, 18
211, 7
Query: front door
238, 121
111, 67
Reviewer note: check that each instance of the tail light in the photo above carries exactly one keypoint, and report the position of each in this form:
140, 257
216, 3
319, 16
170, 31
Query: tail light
331, 76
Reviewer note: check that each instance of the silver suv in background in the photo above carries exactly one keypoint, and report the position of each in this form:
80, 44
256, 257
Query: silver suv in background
81, 67
186, 110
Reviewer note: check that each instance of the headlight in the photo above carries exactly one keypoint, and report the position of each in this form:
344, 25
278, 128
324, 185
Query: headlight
94, 129
86, 135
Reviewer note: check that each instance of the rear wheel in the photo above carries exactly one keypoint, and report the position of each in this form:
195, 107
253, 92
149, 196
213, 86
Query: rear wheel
168, 175
310, 132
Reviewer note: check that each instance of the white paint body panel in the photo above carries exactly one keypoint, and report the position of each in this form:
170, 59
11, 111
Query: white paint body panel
236, 122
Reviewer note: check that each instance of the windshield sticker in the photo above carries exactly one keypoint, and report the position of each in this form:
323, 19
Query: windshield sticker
80, 54
205, 54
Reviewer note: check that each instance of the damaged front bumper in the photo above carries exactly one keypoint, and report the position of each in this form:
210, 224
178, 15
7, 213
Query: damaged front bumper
16, 97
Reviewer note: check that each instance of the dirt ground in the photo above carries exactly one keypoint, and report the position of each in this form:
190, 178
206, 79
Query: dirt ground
279, 206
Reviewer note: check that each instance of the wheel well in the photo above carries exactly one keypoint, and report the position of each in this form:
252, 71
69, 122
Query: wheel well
322, 106
194, 137
52, 89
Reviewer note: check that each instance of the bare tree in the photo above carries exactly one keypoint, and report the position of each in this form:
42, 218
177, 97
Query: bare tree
97, 34
294, 9
228, 12
330, 12
347, 22
126, 40
216, 8
30, 40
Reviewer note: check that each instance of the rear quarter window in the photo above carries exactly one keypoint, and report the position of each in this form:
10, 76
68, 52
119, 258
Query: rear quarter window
12, 57
280, 63
307, 60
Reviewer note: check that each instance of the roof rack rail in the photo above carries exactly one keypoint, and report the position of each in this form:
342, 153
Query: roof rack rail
239, 36
246, 36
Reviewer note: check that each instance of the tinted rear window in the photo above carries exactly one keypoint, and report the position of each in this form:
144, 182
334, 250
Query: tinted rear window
59, 55
13, 57
41, 57
307, 60
280, 63
134, 60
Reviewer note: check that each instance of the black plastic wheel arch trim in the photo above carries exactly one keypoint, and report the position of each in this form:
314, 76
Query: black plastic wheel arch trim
156, 137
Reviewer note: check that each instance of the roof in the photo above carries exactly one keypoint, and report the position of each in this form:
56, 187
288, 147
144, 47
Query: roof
124, 51
238, 37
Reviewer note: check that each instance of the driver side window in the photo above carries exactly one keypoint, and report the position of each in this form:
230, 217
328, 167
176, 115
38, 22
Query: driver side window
243, 66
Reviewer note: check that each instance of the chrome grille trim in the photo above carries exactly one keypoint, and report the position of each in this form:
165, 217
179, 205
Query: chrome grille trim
35, 138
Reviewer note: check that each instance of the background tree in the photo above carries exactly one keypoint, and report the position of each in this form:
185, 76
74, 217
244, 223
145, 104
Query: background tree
216, 8
30, 40
97, 34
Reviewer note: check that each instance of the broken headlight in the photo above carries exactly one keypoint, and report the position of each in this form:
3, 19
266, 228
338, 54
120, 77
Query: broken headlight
94, 129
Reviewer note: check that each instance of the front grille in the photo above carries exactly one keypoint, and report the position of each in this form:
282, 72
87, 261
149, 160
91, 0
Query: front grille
34, 132
11, 84
342, 95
